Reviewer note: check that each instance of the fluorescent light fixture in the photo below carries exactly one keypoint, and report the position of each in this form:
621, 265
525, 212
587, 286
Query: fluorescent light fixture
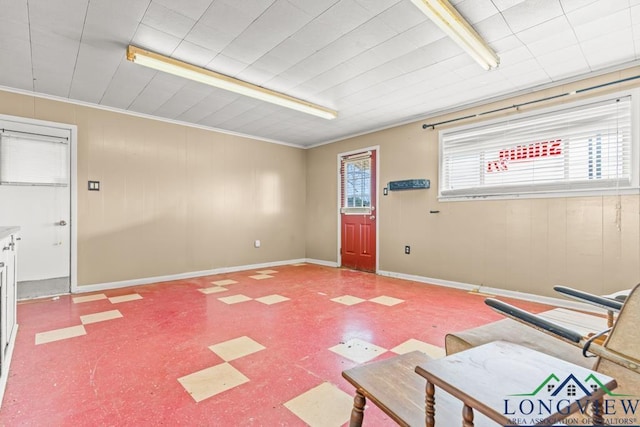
455, 26
211, 78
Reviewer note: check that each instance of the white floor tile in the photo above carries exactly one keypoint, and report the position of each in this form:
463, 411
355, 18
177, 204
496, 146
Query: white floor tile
60, 334
211, 381
234, 299
358, 350
385, 300
261, 276
324, 405
272, 299
213, 290
267, 271
348, 300
125, 298
88, 298
100, 317
413, 345
236, 348
225, 282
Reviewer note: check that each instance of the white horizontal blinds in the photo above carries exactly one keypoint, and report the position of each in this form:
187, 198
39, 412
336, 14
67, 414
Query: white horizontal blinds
33, 159
356, 180
585, 147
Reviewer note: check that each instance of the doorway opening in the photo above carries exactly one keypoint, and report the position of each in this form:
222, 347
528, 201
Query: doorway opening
37, 193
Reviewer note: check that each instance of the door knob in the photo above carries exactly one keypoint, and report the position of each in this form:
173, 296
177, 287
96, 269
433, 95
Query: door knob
62, 222
372, 217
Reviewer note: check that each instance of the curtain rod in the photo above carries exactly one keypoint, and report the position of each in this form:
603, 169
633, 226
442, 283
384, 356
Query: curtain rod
516, 106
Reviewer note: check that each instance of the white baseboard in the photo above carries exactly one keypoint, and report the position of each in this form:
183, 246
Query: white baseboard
179, 276
6, 365
558, 302
321, 262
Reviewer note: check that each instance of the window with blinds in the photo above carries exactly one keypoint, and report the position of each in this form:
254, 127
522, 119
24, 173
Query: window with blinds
585, 147
33, 159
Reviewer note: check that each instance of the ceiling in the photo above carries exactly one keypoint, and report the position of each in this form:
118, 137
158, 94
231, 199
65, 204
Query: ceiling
378, 62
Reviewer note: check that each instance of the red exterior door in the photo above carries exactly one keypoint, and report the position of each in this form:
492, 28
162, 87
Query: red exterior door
357, 211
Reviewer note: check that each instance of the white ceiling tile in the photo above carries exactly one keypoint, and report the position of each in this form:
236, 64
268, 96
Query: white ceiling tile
14, 10
609, 48
192, 53
564, 69
550, 44
530, 78
345, 16
63, 17
192, 9
129, 80
191, 93
530, 13
570, 5
157, 92
17, 72
518, 68
255, 75
229, 18
402, 16
635, 15
289, 53
154, 40
313, 8
312, 37
476, 10
12, 32
94, 69
423, 34
215, 101
547, 29
506, 4
276, 24
209, 38
167, 20
603, 26
593, 11
377, 6
225, 65
493, 28
506, 43
377, 61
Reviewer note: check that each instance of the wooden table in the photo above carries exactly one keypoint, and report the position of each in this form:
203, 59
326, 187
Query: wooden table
394, 387
488, 379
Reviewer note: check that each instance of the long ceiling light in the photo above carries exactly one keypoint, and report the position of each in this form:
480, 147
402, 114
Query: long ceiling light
202, 75
455, 26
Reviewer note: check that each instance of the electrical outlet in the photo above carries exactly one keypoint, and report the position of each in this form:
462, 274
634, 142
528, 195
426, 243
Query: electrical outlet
256, 244
407, 249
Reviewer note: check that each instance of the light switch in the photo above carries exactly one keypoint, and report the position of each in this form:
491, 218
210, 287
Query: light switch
94, 185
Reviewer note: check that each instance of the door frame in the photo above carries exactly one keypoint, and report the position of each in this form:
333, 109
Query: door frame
73, 188
375, 148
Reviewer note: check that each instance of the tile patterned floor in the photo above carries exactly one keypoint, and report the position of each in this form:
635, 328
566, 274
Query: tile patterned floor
183, 354
100, 317
261, 276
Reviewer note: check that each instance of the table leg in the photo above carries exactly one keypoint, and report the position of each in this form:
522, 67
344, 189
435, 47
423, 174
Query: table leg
430, 408
357, 413
467, 416
597, 418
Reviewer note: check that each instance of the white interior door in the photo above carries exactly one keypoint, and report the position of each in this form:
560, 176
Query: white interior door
35, 195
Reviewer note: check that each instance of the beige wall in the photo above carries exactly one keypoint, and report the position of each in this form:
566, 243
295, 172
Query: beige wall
175, 199
523, 245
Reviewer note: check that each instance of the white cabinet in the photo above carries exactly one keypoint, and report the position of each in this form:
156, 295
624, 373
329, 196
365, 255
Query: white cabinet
8, 326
